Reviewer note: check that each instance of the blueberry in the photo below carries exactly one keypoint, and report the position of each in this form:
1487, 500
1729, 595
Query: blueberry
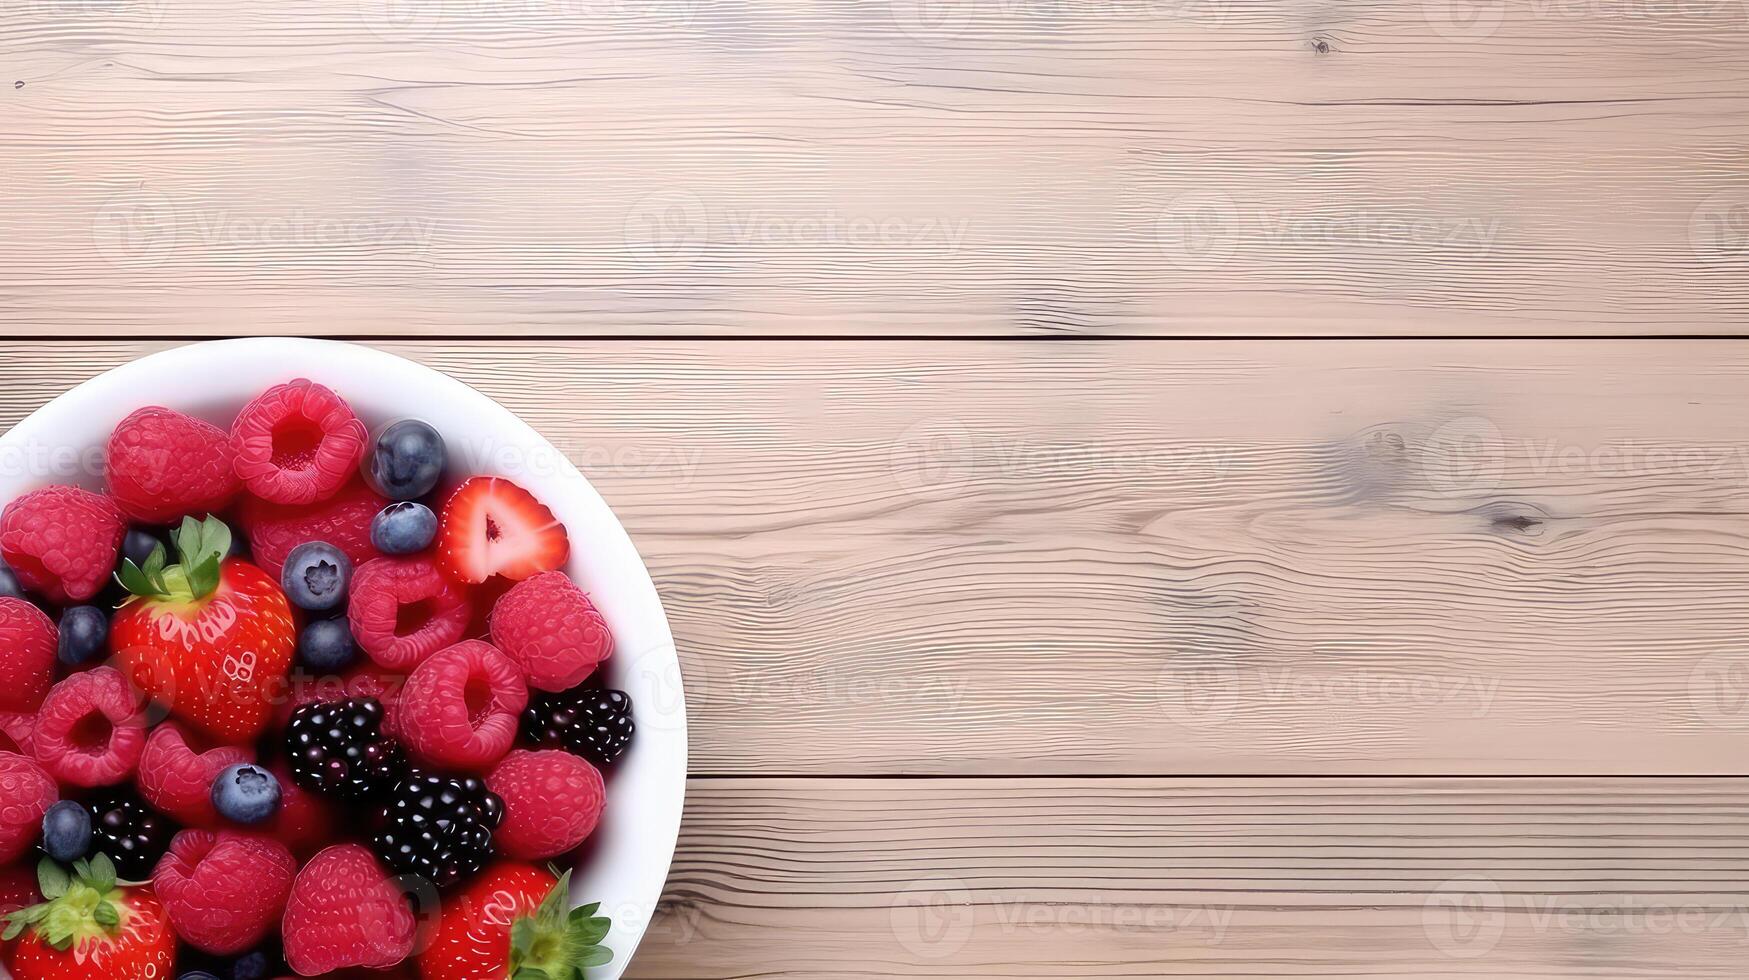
197, 975
326, 645
67, 831
10, 587
84, 634
403, 528
138, 545
252, 966
407, 460
239, 546
246, 793
316, 576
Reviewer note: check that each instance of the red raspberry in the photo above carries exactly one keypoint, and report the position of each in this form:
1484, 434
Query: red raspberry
553, 632
345, 911
19, 729
90, 731
305, 821
461, 708
163, 465
26, 793
27, 670
61, 542
403, 610
343, 521
552, 801
298, 443
177, 781
224, 892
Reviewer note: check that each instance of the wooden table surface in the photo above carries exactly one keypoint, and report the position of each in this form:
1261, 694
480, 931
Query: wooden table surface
1141, 487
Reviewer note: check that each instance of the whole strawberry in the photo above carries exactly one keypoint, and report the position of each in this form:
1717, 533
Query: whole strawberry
163, 465
515, 920
89, 927
212, 639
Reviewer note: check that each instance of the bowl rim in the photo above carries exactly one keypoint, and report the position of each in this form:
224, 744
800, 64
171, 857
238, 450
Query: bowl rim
83, 396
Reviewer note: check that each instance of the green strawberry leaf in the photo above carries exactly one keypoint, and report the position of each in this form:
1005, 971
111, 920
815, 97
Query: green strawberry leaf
52, 879
203, 579
522, 936
595, 956
102, 876
590, 931
530, 973
106, 916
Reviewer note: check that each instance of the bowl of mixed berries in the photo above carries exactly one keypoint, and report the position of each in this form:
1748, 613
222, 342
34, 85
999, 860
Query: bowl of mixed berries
317, 662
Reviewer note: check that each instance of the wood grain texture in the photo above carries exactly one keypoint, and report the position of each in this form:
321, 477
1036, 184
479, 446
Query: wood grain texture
916, 167
831, 879
1436, 557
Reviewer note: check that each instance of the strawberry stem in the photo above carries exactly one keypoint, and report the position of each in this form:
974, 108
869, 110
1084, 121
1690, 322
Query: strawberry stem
81, 905
558, 942
201, 545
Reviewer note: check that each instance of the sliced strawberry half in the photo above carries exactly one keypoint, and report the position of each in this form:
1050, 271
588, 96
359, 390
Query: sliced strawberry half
491, 526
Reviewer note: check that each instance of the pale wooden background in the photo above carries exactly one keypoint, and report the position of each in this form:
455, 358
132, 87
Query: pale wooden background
1115, 655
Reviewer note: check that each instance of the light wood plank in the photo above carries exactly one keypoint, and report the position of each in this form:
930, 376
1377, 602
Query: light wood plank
829, 879
1366, 557
575, 167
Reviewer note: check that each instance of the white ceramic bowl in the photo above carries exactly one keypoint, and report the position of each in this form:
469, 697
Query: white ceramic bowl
626, 863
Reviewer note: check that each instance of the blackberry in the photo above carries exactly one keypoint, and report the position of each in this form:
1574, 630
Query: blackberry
131, 834
437, 827
338, 748
587, 721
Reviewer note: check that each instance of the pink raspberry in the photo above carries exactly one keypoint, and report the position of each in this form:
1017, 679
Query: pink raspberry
552, 802
297, 443
345, 911
90, 731
224, 892
26, 793
177, 781
553, 632
18, 733
343, 521
61, 542
461, 708
403, 610
27, 670
162, 466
